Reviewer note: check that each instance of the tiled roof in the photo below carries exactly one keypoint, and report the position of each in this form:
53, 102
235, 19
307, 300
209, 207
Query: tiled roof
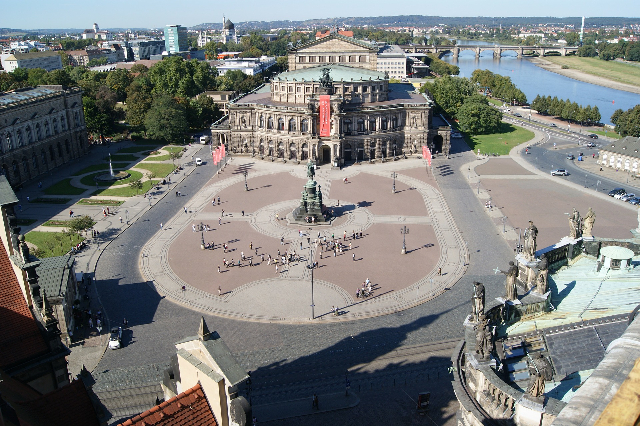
20, 338
188, 408
626, 146
68, 405
336, 72
53, 273
7, 196
351, 40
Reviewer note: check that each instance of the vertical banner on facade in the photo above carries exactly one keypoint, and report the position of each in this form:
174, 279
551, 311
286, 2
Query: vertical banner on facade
325, 115
426, 154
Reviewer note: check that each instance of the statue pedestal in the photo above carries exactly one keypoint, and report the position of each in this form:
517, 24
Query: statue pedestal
310, 210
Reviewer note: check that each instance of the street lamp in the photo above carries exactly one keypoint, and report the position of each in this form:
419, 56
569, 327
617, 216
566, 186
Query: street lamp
310, 266
126, 213
246, 188
585, 180
504, 219
598, 183
394, 175
404, 231
519, 246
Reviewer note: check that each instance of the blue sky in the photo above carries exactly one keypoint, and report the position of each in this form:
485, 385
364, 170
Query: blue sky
157, 13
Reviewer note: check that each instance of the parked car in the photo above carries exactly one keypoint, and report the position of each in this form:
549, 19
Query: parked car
559, 172
593, 136
517, 114
635, 201
570, 157
552, 125
591, 145
627, 197
616, 191
619, 195
198, 161
115, 340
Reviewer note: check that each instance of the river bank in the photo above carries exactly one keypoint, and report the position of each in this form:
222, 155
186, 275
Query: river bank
583, 76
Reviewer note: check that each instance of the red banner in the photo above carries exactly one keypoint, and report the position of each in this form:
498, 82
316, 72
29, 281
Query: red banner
325, 115
426, 154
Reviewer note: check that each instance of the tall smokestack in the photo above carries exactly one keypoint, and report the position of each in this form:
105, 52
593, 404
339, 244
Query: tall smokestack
582, 31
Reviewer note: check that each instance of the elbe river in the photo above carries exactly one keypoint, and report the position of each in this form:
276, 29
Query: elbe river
533, 80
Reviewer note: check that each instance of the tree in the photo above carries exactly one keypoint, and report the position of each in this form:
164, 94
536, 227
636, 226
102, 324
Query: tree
174, 155
79, 224
588, 51
628, 123
572, 38
136, 184
118, 81
283, 63
166, 120
139, 101
476, 116
178, 77
96, 120
450, 93
59, 77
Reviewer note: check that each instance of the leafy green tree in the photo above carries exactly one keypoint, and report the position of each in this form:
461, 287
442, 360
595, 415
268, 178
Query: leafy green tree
174, 155
633, 52
139, 101
36, 77
95, 62
178, 77
60, 77
594, 115
97, 121
616, 115
166, 120
118, 81
628, 122
449, 93
588, 51
572, 38
136, 184
79, 224
478, 117
66, 60
282, 63
139, 69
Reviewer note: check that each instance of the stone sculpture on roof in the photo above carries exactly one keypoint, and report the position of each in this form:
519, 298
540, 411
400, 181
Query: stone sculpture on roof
587, 223
510, 284
477, 301
530, 235
542, 283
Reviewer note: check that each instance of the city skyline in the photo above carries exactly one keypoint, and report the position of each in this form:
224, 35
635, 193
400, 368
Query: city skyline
155, 14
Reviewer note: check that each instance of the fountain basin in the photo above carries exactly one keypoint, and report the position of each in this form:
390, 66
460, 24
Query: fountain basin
108, 177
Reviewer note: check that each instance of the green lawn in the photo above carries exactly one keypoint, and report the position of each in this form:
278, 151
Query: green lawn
63, 187
159, 169
611, 70
122, 157
142, 141
173, 148
99, 202
51, 244
88, 179
612, 134
497, 102
124, 191
96, 167
499, 143
58, 223
135, 149
158, 157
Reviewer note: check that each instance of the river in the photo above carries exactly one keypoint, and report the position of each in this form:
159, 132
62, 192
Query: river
533, 80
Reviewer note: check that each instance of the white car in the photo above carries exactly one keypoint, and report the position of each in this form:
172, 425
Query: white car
627, 196
198, 161
115, 340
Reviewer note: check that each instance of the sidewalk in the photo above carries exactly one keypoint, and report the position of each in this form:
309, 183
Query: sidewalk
89, 345
303, 406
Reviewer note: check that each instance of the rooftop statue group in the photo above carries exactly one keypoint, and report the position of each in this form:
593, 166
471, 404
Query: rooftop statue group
581, 227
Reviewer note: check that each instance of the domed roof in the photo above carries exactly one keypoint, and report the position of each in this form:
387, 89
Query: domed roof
229, 25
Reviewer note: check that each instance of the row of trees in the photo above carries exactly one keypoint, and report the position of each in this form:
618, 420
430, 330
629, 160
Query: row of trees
629, 51
566, 109
439, 67
499, 86
627, 122
458, 98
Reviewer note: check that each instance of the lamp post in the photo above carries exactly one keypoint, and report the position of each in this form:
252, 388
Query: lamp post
394, 175
519, 247
310, 266
598, 183
126, 213
504, 220
246, 188
404, 231
585, 180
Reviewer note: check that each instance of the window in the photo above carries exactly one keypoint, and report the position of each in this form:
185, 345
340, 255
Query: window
9, 142
360, 125
301, 59
46, 129
38, 132
292, 125
261, 125
76, 118
16, 170
55, 126
342, 59
281, 124
312, 58
25, 165
34, 160
365, 89
43, 158
66, 146
363, 58
19, 136
270, 123
290, 89
332, 58
304, 125
298, 89
372, 125
59, 150
347, 126
394, 122
63, 123
322, 59
383, 124
352, 58
29, 135
307, 89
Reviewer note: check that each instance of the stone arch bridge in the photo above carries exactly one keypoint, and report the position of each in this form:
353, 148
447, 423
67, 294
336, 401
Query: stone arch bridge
497, 50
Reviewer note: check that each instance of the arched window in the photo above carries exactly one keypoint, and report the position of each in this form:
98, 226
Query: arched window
280, 149
59, 150
29, 135
270, 123
47, 132
16, 170
19, 137
292, 125
34, 161
9, 142
261, 147
261, 125
38, 132
304, 125
292, 151
55, 126
281, 124
347, 126
270, 148
63, 122
383, 124
360, 125
372, 125
76, 118
394, 122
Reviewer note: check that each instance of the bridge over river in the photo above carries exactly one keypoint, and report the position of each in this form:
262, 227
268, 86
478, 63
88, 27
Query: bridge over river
496, 49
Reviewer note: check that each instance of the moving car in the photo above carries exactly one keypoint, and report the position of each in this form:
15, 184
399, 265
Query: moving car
593, 136
570, 157
616, 191
517, 114
591, 145
635, 201
627, 197
198, 161
552, 125
115, 340
559, 172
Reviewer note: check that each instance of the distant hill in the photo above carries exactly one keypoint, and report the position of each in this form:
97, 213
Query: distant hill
425, 21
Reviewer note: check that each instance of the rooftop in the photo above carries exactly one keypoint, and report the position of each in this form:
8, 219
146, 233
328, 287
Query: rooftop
7, 196
53, 273
351, 40
337, 73
8, 98
626, 146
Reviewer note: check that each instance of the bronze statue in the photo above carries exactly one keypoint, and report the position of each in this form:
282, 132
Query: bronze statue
311, 170
477, 301
484, 337
587, 223
510, 284
530, 235
575, 225
326, 80
542, 283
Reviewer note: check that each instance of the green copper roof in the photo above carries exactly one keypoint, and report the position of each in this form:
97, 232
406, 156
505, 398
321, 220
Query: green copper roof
337, 73
7, 196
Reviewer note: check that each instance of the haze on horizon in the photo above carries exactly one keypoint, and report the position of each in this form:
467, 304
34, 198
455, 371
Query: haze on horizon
158, 13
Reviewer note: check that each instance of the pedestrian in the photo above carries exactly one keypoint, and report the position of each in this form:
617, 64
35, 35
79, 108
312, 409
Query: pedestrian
251, 245
185, 209
242, 255
70, 213
219, 288
300, 245
125, 323
242, 212
338, 203
277, 217
213, 202
161, 225
349, 246
219, 221
353, 256
184, 288
251, 261
282, 240
176, 193
276, 268
28, 200
218, 268
193, 227
261, 257
90, 322
120, 219
256, 251
218, 200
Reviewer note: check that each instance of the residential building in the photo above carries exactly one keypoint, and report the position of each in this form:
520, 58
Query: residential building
393, 61
141, 49
249, 66
96, 33
175, 39
325, 33
44, 129
332, 113
205, 37
623, 154
222, 98
48, 60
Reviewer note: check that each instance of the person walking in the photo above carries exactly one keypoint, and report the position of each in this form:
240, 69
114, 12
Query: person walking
251, 245
276, 268
185, 209
220, 221
218, 200
120, 219
222, 214
218, 268
353, 256
160, 225
219, 288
